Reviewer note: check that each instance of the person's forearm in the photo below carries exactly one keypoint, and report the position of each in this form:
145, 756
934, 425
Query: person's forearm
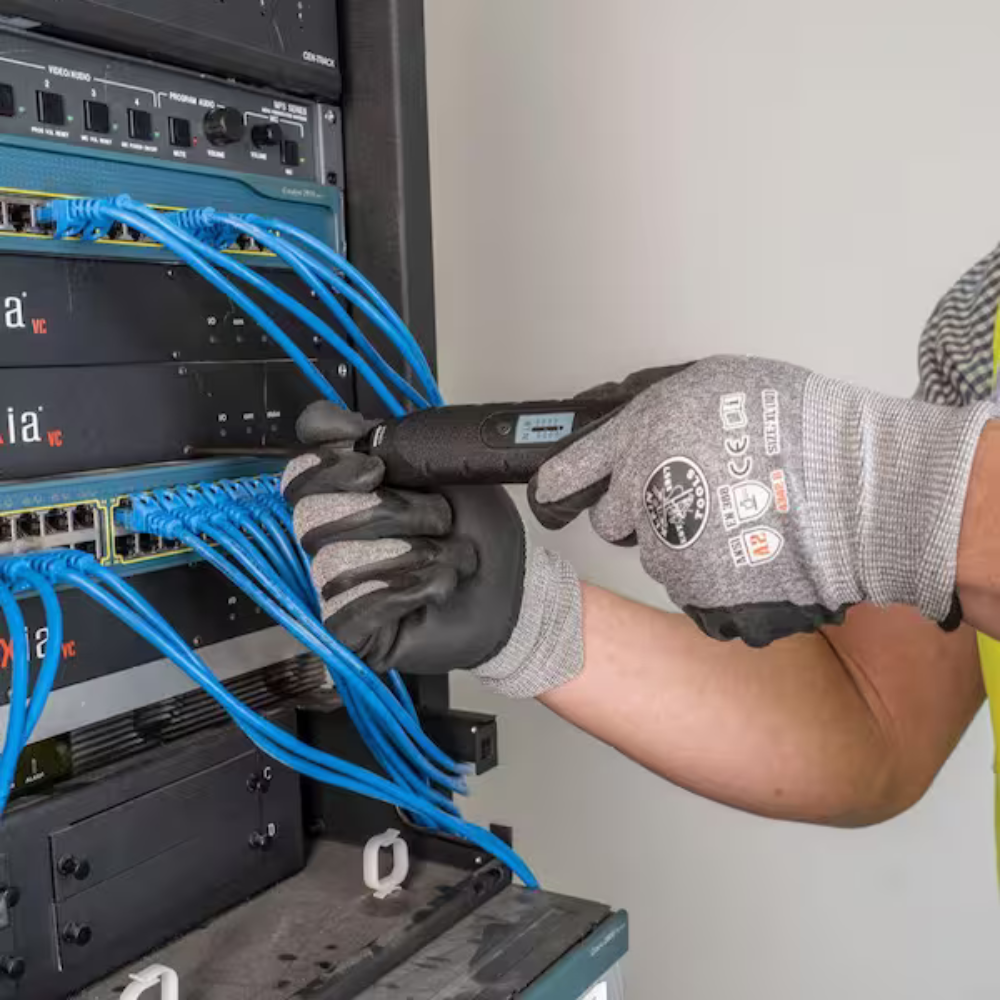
794, 731
979, 543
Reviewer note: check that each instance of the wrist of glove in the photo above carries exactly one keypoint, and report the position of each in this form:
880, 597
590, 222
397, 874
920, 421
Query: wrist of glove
429, 582
768, 499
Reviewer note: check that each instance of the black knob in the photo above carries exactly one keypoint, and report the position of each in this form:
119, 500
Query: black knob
224, 126
78, 934
266, 134
78, 868
12, 966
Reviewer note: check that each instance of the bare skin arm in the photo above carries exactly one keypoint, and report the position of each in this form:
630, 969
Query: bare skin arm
848, 727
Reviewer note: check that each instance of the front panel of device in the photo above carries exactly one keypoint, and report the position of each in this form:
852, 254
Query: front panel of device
287, 43
72, 96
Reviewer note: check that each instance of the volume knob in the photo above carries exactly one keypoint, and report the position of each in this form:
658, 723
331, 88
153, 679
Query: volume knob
224, 126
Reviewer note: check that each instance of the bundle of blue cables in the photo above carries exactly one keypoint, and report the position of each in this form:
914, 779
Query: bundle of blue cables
244, 528
196, 237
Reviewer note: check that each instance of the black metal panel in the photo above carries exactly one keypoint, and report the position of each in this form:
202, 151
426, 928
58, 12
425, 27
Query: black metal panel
62, 311
495, 953
103, 876
196, 599
59, 420
386, 159
347, 817
285, 44
470, 737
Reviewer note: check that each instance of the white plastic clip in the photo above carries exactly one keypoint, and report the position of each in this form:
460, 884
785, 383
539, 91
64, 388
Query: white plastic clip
156, 975
384, 887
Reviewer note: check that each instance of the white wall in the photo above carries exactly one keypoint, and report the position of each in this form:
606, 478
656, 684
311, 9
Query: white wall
627, 183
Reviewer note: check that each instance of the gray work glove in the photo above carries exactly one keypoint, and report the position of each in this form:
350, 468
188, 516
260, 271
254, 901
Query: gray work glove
425, 582
768, 499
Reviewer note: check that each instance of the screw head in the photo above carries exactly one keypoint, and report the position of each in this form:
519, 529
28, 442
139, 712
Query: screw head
343, 370
12, 966
69, 865
78, 934
259, 841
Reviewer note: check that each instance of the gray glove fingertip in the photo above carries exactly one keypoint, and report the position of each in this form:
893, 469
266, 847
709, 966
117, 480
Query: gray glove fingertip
612, 517
341, 559
299, 465
330, 470
327, 509
584, 462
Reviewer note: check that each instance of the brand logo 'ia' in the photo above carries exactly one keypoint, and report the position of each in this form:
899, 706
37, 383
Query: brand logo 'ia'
25, 427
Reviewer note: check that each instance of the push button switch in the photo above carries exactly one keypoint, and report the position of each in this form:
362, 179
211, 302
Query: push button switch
51, 107
8, 107
96, 117
140, 124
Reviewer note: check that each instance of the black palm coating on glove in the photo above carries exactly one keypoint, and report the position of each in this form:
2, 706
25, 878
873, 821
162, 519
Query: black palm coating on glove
449, 594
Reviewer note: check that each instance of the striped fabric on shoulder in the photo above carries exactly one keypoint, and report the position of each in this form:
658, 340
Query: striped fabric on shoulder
956, 347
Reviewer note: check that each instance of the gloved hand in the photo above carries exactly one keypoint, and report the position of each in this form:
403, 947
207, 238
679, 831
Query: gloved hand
429, 582
768, 499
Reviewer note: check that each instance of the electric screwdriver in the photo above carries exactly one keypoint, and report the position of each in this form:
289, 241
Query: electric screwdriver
474, 445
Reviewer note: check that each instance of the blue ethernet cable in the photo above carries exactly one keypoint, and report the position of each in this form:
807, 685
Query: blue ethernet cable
281, 562
84, 572
221, 229
25, 577
372, 734
216, 527
398, 767
407, 346
200, 256
18, 707
89, 217
340, 263
207, 224
176, 643
273, 513
273, 568
405, 732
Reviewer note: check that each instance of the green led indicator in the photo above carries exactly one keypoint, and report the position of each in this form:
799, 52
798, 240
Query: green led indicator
69, 118
115, 126
20, 111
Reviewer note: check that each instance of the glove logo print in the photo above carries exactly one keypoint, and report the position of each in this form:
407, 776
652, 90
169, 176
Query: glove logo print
743, 502
676, 499
755, 546
772, 422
